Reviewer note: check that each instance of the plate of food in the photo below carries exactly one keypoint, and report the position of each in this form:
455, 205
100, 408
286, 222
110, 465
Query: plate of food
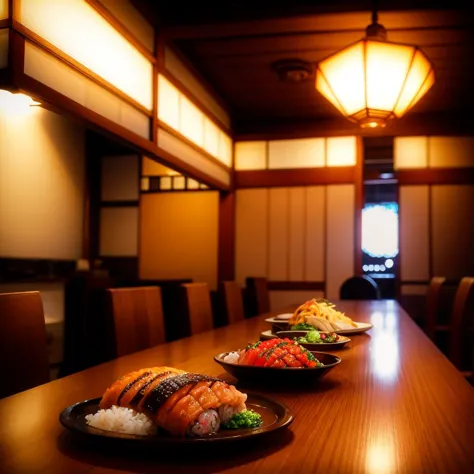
322, 315
265, 335
315, 340
163, 406
277, 360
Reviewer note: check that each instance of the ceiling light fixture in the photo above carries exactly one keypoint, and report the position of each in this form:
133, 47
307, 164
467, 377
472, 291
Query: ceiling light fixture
374, 80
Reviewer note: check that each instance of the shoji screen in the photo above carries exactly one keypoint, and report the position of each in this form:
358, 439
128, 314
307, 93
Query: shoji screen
178, 236
78, 30
296, 153
436, 231
3, 9
296, 234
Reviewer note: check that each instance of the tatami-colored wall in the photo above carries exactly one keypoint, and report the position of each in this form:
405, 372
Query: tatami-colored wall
41, 186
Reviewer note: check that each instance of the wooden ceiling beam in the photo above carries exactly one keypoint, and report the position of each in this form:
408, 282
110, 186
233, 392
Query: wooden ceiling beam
353, 21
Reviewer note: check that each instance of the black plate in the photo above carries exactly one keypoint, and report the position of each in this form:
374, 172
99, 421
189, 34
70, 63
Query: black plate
252, 373
343, 340
275, 416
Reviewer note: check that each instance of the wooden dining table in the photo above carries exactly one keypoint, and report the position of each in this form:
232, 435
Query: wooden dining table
394, 404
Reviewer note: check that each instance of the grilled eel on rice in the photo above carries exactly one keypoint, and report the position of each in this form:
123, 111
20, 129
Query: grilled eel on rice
181, 403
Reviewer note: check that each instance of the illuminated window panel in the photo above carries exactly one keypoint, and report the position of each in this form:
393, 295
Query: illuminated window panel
3, 48
250, 155
451, 152
410, 152
153, 168
300, 153
131, 18
225, 149
3, 9
193, 184
341, 151
57, 75
211, 137
179, 182
82, 33
179, 70
203, 186
168, 102
165, 183
191, 156
191, 122
145, 184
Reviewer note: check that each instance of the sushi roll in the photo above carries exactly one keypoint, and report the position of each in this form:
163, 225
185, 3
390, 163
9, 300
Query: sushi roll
181, 403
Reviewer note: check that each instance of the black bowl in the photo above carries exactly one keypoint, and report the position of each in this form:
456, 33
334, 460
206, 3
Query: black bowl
273, 374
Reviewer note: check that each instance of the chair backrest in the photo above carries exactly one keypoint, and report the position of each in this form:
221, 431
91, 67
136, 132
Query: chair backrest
258, 295
231, 295
198, 308
432, 305
23, 348
462, 320
359, 288
138, 318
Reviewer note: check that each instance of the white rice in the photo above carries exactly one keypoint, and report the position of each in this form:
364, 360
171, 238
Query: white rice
123, 420
232, 357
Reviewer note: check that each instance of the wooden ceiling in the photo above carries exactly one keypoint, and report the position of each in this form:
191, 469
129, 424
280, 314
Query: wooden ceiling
235, 43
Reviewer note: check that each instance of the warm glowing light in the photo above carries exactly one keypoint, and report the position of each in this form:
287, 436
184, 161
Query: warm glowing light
384, 353
380, 230
82, 33
374, 80
3, 9
15, 104
380, 458
389, 263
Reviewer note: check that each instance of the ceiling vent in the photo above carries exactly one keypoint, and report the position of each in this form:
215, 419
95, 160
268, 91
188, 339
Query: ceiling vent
293, 70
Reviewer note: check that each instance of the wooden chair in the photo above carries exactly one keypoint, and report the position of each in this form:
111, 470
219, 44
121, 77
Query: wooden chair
258, 295
23, 348
462, 326
231, 297
138, 318
432, 305
197, 307
359, 288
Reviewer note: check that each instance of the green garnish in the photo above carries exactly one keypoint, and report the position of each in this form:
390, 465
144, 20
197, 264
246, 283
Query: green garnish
315, 337
302, 327
244, 419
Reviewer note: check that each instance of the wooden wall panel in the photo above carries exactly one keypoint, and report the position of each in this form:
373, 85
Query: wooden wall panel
251, 234
119, 178
315, 233
414, 233
4, 33
118, 232
179, 236
340, 237
452, 230
278, 234
451, 152
297, 234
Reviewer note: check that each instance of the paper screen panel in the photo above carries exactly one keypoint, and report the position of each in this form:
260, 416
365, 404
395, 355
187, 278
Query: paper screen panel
4, 33
452, 219
3, 9
131, 18
191, 122
341, 151
82, 33
211, 137
180, 71
189, 155
193, 184
153, 168
250, 155
119, 178
410, 152
297, 233
41, 186
251, 234
339, 237
278, 234
300, 153
169, 99
179, 182
414, 233
166, 249
55, 74
224, 154
118, 232
281, 299
166, 183
451, 152
315, 233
